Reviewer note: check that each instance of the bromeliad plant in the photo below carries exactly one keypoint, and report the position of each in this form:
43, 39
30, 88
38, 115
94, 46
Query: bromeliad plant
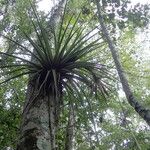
60, 60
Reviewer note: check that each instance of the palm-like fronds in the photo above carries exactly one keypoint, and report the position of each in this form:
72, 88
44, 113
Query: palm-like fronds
59, 58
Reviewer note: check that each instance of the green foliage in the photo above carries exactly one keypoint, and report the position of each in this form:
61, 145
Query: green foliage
104, 120
60, 57
11, 103
9, 126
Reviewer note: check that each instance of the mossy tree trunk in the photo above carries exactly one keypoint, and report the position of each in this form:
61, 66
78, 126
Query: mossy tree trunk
35, 123
39, 122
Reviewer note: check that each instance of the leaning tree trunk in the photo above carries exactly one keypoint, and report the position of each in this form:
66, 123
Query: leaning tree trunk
143, 112
40, 114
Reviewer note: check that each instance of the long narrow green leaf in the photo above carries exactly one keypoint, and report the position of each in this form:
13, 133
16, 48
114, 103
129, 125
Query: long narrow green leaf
36, 48
24, 60
39, 37
83, 79
70, 41
79, 64
77, 48
69, 36
49, 54
44, 36
86, 50
15, 42
17, 76
81, 40
81, 52
57, 40
13, 71
14, 65
59, 56
62, 22
87, 34
58, 43
61, 38
78, 32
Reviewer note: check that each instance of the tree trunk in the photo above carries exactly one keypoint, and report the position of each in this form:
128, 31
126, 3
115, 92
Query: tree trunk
70, 129
143, 112
35, 124
40, 121
41, 114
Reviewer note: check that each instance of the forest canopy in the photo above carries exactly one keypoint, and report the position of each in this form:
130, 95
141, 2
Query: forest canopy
75, 77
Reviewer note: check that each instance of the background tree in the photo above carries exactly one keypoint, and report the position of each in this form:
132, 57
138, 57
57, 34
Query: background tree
143, 112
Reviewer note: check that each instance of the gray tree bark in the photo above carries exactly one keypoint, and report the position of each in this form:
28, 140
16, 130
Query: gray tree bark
35, 124
40, 114
70, 129
143, 112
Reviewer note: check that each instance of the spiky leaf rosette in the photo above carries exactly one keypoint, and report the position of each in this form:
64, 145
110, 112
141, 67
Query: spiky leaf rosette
59, 60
